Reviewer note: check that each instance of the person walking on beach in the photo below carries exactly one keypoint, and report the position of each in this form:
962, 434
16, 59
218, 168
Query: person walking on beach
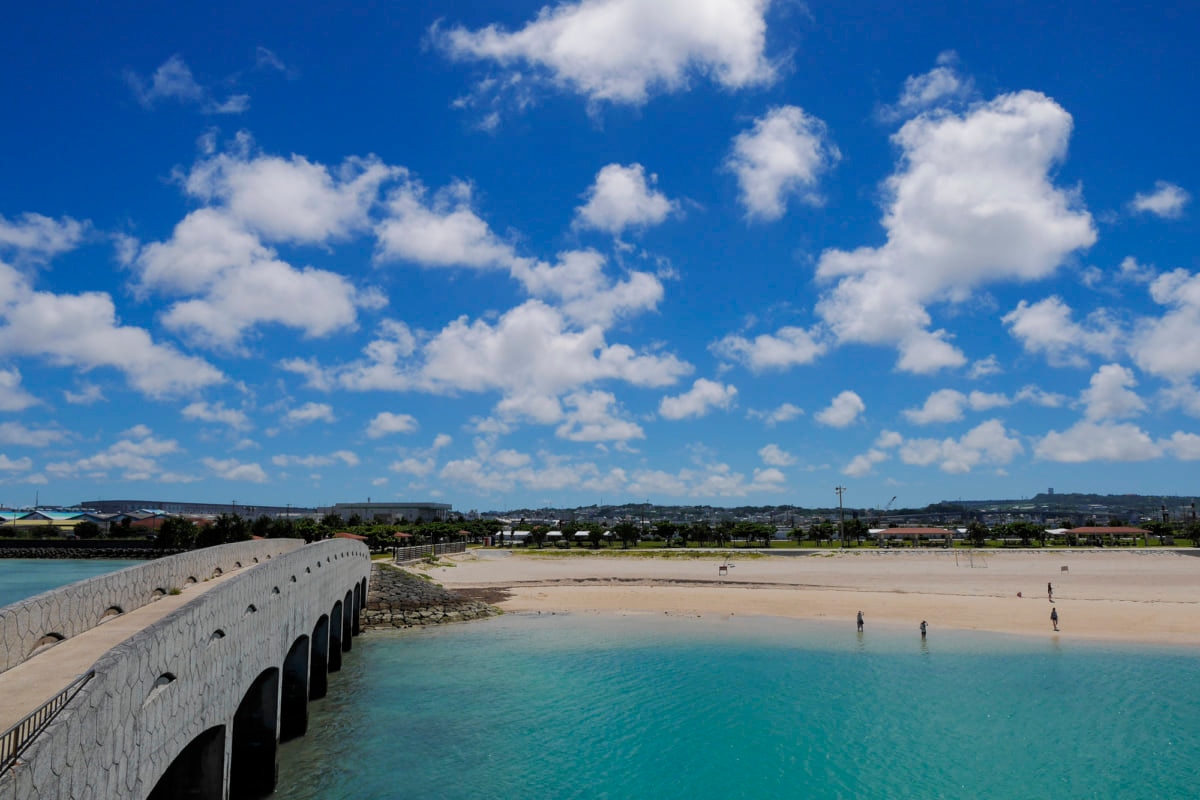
922, 629
860, 622
1050, 591
1054, 617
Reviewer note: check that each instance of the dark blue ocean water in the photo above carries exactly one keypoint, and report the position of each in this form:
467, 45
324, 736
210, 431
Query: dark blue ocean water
24, 577
557, 706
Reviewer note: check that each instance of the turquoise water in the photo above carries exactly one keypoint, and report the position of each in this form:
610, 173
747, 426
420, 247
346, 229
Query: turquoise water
24, 577
646, 707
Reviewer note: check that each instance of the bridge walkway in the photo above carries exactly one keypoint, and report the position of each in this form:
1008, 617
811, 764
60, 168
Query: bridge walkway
25, 687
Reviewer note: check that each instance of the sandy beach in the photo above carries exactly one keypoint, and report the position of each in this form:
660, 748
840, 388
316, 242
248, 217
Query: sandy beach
1149, 596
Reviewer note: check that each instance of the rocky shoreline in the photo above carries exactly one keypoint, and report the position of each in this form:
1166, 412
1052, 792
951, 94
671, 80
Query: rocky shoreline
398, 599
122, 553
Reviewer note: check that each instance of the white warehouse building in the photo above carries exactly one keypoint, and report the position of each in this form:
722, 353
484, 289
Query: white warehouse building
393, 512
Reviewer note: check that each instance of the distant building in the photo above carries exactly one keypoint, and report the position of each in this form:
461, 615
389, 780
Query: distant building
176, 508
393, 512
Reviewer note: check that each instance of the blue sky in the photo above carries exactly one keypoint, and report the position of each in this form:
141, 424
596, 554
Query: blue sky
501, 254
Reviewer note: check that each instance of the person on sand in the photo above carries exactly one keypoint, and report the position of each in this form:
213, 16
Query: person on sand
1054, 617
1050, 591
860, 622
922, 629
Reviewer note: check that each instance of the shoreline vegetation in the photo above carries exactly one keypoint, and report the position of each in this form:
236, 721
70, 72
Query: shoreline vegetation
1146, 596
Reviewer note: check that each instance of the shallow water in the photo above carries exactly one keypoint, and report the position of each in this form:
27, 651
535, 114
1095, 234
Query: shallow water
24, 577
557, 706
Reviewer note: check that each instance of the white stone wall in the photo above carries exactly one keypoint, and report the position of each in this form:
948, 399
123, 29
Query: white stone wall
79, 607
119, 735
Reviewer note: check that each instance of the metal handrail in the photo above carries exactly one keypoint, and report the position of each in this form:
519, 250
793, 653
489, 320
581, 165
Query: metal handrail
14, 740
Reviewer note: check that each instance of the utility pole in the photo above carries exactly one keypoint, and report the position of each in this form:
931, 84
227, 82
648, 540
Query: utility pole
841, 515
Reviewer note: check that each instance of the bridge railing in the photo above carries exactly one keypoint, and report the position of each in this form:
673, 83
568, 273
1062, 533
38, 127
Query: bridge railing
423, 551
14, 741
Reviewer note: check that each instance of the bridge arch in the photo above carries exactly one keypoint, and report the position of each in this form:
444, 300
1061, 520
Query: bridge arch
293, 702
348, 612
254, 750
335, 637
198, 772
318, 671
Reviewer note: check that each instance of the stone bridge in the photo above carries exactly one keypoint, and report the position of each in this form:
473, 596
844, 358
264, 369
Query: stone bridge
195, 704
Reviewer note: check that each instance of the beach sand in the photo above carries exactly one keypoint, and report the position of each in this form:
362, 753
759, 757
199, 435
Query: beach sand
1148, 596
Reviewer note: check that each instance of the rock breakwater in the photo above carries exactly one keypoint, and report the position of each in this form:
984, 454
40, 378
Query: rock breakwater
88, 552
398, 599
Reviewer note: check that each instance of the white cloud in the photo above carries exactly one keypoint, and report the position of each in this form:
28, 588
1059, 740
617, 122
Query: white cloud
413, 466
704, 396
216, 412
710, 480
1184, 446
941, 85
843, 410
173, 80
1183, 396
780, 157
621, 198
1040, 397
13, 396
593, 417
787, 347
1090, 441
1109, 396
35, 324
1169, 344
385, 422
18, 434
529, 355
317, 302
987, 443
88, 394
38, 238
784, 413
970, 204
231, 469
1167, 200
445, 231
438, 231
310, 412
345, 457
218, 252
584, 293
984, 367
15, 465
135, 458
292, 199
776, 456
864, 463
944, 405
1131, 270
621, 51
1046, 327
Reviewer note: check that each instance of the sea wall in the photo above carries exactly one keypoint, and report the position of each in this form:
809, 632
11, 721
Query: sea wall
68, 611
71, 550
398, 599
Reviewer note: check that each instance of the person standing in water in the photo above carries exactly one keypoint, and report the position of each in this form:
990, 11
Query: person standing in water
922, 629
1054, 617
860, 622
